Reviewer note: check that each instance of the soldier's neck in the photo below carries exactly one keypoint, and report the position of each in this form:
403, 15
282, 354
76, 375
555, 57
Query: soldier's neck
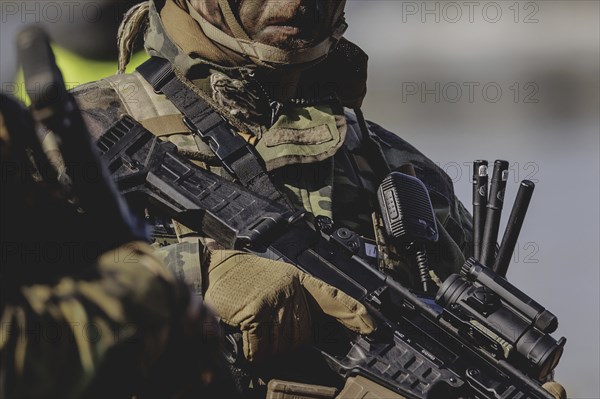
280, 85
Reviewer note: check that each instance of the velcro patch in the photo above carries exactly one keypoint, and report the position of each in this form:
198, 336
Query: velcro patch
317, 135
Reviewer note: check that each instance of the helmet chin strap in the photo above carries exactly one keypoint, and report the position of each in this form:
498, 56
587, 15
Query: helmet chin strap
238, 31
263, 54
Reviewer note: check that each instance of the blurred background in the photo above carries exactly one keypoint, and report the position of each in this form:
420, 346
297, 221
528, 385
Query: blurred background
514, 80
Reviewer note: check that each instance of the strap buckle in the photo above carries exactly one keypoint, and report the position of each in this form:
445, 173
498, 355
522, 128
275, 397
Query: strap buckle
158, 72
225, 144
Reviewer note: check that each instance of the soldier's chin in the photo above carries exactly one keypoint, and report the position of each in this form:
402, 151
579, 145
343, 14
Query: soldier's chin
284, 37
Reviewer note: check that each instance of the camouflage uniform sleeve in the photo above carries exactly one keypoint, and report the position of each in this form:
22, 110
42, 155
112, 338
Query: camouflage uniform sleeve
98, 334
454, 221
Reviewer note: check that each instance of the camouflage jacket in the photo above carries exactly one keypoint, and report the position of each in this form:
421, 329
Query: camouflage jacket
313, 149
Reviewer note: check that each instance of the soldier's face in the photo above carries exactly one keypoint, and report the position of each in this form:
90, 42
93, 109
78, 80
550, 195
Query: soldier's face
287, 24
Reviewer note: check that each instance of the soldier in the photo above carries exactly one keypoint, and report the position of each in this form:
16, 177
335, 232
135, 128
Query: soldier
80, 320
284, 77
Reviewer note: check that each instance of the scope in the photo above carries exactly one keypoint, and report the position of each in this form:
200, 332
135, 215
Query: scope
500, 319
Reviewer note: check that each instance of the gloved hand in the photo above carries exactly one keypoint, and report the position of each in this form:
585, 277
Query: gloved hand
270, 302
557, 390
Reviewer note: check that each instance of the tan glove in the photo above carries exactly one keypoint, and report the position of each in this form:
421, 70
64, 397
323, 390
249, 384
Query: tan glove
557, 390
269, 302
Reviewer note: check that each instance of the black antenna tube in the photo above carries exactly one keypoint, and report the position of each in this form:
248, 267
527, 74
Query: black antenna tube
513, 228
480, 195
494, 212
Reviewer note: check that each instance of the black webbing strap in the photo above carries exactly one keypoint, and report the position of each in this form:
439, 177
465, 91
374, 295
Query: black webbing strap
372, 148
236, 155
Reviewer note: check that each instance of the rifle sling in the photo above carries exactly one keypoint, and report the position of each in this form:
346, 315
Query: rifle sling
237, 156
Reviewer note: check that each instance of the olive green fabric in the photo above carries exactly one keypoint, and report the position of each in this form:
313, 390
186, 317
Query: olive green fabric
55, 339
270, 303
188, 35
309, 186
184, 261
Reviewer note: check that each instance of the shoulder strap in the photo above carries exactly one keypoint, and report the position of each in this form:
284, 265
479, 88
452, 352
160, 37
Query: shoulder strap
235, 154
360, 138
